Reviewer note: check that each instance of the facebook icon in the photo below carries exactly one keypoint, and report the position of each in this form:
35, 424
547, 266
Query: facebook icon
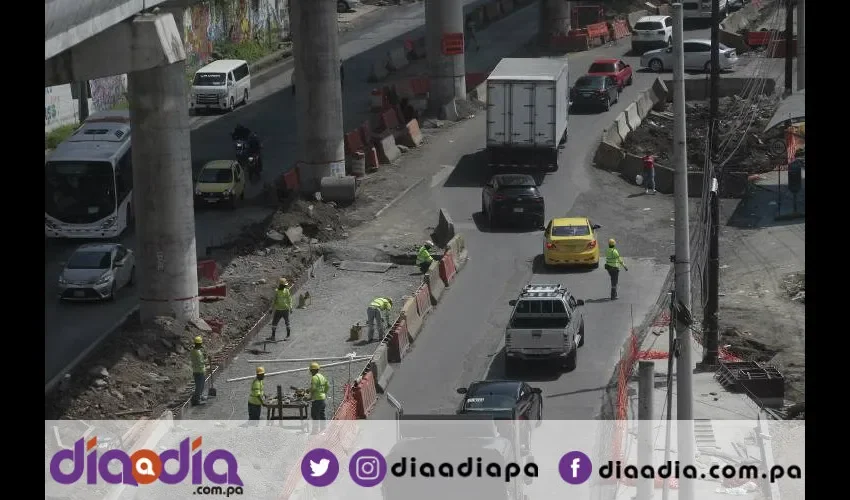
575, 467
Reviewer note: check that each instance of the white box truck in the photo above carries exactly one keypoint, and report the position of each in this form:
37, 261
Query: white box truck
527, 113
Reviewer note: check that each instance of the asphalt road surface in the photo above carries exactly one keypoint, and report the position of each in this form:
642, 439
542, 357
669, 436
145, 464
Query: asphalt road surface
463, 337
71, 328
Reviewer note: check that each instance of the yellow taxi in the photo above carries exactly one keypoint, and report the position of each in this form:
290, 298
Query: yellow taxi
571, 240
220, 182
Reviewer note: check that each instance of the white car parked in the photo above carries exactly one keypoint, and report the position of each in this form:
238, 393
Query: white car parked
697, 57
652, 32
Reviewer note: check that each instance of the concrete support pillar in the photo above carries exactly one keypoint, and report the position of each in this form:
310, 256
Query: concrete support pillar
554, 19
448, 73
318, 102
166, 259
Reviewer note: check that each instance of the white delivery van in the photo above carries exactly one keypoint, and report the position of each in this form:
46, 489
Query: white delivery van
527, 113
221, 84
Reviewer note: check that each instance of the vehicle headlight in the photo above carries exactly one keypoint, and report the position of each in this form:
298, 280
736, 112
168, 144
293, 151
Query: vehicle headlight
109, 222
49, 223
106, 278
62, 280
227, 191
250, 158
198, 191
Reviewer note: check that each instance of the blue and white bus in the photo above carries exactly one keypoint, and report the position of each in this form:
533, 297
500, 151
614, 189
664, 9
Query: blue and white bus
89, 180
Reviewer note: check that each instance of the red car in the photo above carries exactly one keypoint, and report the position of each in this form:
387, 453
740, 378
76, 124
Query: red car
615, 68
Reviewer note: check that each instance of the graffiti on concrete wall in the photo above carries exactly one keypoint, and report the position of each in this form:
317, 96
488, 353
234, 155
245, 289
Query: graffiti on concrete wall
51, 105
107, 92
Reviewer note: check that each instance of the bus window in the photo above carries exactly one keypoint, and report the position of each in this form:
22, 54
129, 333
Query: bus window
124, 176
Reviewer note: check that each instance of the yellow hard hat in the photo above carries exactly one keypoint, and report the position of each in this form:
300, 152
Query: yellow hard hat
199, 340
612, 242
314, 366
283, 281
261, 370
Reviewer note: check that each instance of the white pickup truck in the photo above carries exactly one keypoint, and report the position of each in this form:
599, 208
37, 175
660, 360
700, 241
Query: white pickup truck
547, 323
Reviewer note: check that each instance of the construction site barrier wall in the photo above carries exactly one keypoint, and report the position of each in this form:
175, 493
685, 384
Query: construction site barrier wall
411, 314
397, 59
632, 118
457, 246
423, 300
399, 341
436, 286
380, 366
448, 268
619, 29
365, 394
388, 151
412, 136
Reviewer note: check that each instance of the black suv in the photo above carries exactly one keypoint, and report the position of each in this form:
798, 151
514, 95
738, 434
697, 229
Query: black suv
514, 198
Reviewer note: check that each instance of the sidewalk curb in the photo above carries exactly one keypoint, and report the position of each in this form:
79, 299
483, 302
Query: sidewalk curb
399, 197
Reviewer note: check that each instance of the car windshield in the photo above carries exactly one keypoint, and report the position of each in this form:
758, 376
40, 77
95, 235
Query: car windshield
79, 192
602, 68
570, 231
209, 79
216, 176
590, 82
648, 26
90, 260
482, 402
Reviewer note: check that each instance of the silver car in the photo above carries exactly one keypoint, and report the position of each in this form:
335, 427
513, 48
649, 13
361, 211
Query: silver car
697, 57
97, 271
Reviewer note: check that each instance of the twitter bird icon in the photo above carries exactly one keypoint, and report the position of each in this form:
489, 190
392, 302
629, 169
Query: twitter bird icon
319, 467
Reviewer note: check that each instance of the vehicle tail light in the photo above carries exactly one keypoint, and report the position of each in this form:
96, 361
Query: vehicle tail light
600, 92
550, 246
730, 54
500, 197
591, 245
538, 200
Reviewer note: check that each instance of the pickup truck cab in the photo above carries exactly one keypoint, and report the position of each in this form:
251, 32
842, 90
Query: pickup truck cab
547, 324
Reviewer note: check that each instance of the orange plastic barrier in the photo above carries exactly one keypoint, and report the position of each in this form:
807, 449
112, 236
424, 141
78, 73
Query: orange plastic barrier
353, 142
423, 300
366, 395
399, 342
389, 119
619, 29
365, 133
757, 38
290, 179
207, 269
475, 79
215, 291
448, 268
597, 30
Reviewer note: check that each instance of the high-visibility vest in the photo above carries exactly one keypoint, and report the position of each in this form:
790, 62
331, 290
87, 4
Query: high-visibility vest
423, 256
318, 387
612, 258
198, 362
283, 299
381, 303
257, 392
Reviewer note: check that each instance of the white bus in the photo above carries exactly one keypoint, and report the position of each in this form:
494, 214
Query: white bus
89, 180
701, 9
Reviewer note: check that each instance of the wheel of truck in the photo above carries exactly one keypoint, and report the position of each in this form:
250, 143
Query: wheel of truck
572, 361
607, 104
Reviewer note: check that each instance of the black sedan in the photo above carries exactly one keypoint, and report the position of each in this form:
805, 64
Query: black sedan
513, 197
502, 396
594, 91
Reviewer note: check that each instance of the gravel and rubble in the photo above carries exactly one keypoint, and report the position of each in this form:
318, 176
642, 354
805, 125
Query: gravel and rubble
748, 151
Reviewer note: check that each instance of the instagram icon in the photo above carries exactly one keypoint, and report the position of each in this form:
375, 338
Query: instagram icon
367, 467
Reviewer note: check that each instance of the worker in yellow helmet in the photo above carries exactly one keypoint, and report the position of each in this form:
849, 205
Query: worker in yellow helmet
318, 396
282, 306
613, 261
257, 396
378, 313
199, 371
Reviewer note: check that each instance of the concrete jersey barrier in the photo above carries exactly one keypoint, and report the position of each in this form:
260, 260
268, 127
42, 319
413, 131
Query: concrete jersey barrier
388, 151
621, 125
457, 246
632, 118
382, 368
397, 59
436, 287
411, 314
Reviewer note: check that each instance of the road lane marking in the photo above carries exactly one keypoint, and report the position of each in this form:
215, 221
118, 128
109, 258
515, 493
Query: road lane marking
441, 176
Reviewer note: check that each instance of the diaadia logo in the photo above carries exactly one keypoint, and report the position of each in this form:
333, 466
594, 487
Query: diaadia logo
144, 466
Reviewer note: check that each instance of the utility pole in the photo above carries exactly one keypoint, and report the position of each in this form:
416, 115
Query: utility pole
789, 46
683, 256
671, 356
801, 44
83, 101
646, 386
710, 326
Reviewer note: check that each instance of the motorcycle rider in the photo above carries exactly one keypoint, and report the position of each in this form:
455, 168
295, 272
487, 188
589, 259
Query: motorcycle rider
245, 134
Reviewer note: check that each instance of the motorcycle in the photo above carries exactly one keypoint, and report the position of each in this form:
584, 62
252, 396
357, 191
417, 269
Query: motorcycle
250, 160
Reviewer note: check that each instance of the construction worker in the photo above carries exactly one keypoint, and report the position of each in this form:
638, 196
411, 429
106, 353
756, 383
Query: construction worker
257, 396
378, 312
199, 371
423, 257
613, 261
318, 395
282, 307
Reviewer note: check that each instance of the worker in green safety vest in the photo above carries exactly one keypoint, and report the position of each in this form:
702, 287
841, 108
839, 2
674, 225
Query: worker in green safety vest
318, 396
378, 313
613, 261
199, 371
423, 257
257, 396
282, 307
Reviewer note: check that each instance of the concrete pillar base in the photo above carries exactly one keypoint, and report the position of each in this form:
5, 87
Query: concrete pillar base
447, 73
